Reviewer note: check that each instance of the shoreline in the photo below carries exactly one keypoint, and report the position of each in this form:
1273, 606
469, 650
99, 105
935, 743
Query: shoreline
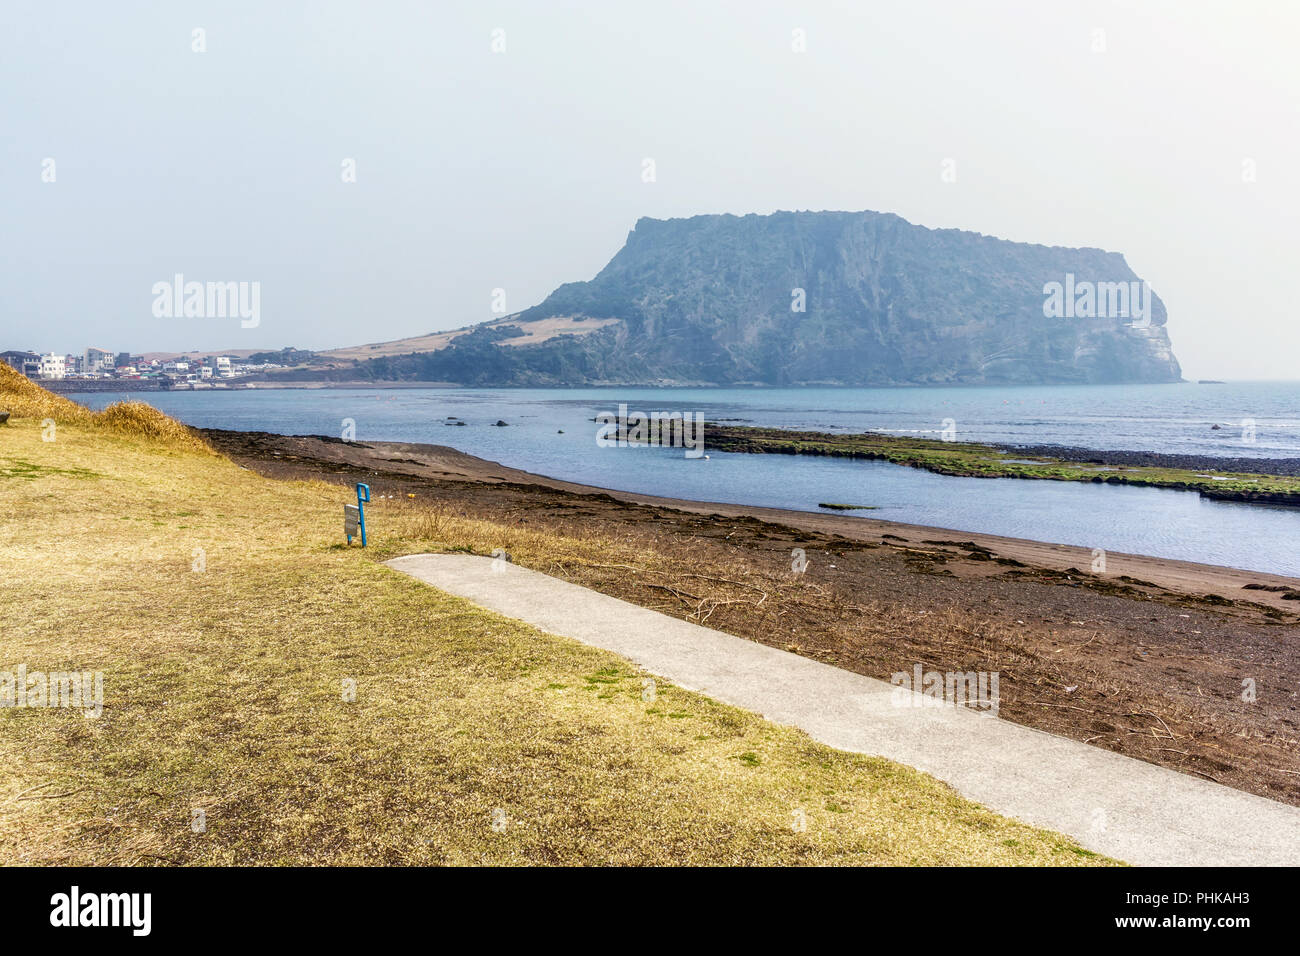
426, 460
65, 387
1147, 659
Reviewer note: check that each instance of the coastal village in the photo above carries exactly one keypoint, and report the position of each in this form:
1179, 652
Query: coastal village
103, 366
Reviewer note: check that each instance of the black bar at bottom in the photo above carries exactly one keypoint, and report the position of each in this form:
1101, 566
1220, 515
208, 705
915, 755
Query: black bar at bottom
335, 906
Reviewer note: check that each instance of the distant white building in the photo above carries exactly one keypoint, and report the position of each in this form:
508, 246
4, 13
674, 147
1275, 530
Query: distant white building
98, 360
221, 363
53, 366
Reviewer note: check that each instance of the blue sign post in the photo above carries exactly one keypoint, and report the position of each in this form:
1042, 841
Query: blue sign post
354, 516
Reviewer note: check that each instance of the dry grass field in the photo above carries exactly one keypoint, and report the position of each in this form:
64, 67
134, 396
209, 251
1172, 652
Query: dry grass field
231, 622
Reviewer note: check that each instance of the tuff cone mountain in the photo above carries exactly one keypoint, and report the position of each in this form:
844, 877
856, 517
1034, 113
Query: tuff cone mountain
802, 298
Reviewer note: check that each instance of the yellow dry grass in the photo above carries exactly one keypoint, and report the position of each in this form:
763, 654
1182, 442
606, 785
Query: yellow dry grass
534, 332
23, 398
228, 619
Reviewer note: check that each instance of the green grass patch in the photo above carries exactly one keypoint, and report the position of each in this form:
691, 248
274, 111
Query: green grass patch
975, 460
29, 470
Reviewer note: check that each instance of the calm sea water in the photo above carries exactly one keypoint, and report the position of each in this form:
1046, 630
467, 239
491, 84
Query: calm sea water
551, 432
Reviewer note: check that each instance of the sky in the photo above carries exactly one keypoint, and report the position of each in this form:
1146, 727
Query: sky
502, 146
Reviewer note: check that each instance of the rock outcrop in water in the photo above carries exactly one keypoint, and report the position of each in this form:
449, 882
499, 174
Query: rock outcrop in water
820, 298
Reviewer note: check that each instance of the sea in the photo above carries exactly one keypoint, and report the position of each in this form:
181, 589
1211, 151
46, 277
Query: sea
552, 432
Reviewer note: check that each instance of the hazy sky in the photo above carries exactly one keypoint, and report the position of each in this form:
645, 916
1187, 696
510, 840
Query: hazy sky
522, 169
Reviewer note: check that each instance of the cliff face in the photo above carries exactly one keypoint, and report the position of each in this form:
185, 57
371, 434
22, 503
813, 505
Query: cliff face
716, 299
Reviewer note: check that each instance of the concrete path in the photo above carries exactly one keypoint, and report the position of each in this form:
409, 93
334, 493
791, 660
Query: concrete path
1115, 805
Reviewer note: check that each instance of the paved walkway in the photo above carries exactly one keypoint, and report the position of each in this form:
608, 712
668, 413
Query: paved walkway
1115, 805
